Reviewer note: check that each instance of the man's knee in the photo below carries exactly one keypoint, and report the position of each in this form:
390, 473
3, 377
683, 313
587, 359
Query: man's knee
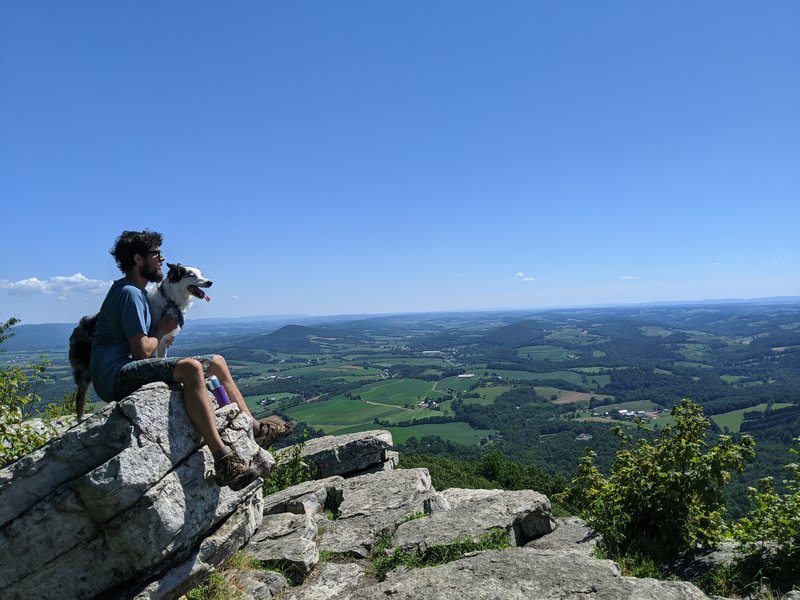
189, 370
219, 366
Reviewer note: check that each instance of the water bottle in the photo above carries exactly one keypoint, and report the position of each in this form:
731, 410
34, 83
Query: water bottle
215, 387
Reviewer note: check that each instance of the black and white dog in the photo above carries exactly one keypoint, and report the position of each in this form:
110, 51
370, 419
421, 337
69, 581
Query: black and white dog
173, 296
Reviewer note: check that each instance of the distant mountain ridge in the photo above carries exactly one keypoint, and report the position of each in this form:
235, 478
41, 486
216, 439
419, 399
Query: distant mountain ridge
46, 336
55, 336
296, 338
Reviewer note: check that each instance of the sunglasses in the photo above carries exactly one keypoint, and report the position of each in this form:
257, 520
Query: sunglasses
158, 254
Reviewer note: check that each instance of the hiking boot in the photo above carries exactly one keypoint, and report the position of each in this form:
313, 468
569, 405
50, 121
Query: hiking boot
272, 429
232, 471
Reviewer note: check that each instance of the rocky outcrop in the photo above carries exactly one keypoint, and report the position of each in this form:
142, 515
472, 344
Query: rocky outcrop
348, 454
522, 574
350, 520
470, 514
124, 504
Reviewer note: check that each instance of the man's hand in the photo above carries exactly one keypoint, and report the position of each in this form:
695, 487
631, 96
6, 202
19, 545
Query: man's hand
165, 325
143, 346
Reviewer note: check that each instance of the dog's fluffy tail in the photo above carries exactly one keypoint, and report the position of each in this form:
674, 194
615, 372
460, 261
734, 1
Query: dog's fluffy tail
80, 398
80, 353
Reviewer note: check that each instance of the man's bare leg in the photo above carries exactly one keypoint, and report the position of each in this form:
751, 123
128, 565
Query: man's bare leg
220, 368
266, 431
189, 372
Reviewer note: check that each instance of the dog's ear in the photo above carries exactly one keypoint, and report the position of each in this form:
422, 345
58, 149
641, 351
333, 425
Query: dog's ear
175, 272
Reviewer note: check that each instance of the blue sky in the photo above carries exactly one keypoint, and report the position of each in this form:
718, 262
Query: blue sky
367, 157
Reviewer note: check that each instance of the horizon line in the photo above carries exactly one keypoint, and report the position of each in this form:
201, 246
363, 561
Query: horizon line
650, 303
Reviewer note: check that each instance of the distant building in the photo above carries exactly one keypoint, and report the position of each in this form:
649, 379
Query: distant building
583, 437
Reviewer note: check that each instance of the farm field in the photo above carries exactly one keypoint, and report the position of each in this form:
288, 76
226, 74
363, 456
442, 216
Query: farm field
344, 415
347, 373
459, 433
568, 396
545, 353
574, 335
488, 395
334, 371
572, 377
733, 420
340, 413
399, 392
457, 384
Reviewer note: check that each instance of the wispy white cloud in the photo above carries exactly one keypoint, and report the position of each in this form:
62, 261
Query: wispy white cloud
627, 277
524, 277
59, 284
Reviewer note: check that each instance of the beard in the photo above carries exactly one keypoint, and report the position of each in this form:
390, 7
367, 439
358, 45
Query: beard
153, 275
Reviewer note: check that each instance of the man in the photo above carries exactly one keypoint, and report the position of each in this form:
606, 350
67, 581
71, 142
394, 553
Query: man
127, 336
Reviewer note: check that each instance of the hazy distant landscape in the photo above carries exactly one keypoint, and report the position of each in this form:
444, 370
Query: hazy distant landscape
540, 386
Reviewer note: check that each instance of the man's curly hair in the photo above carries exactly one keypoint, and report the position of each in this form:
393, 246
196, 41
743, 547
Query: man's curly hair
134, 242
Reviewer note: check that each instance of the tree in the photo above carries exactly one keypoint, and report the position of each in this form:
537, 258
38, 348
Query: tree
17, 400
662, 495
770, 534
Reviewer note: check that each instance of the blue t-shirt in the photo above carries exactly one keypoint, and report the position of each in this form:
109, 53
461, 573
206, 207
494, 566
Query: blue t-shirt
124, 313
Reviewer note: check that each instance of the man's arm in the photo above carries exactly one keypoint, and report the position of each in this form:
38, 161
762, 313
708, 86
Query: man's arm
143, 346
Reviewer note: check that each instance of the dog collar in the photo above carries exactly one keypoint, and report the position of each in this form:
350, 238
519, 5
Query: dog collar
171, 305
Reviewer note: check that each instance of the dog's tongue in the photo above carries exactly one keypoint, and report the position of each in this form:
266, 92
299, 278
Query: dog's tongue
206, 297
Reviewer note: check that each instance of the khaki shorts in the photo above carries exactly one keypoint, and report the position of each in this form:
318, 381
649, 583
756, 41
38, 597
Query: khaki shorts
141, 372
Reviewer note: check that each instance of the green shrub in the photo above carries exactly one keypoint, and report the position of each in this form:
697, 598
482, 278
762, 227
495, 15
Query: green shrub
662, 495
770, 534
634, 563
215, 587
289, 471
18, 398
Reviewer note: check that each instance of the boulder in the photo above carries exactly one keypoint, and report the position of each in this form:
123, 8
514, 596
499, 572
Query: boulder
254, 584
372, 504
352, 514
125, 504
346, 455
522, 574
571, 534
329, 581
310, 498
524, 514
288, 539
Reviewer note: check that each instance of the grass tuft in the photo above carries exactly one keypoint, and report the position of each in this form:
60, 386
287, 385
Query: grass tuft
384, 561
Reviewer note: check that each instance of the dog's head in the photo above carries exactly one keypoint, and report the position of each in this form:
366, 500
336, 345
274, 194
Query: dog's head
189, 279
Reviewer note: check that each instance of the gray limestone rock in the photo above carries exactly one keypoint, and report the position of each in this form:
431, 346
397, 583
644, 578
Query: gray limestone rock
373, 504
571, 533
523, 574
258, 585
345, 454
286, 538
309, 498
329, 581
82, 448
124, 502
124, 505
524, 514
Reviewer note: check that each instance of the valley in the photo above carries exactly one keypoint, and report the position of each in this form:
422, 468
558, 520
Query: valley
539, 386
